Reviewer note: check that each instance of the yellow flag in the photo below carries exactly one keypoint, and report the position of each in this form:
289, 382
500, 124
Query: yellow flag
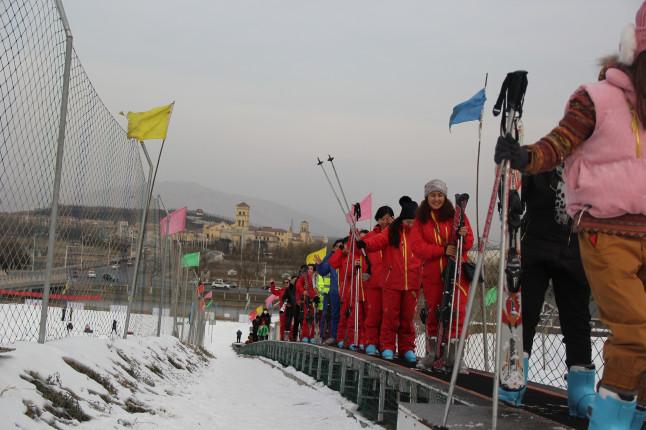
152, 124
259, 310
311, 258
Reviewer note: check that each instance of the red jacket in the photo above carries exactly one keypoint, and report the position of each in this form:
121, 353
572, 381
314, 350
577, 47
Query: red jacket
339, 261
429, 241
280, 292
401, 268
304, 287
376, 262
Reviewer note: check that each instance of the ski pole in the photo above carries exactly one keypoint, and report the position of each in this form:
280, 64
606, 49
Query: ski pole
351, 223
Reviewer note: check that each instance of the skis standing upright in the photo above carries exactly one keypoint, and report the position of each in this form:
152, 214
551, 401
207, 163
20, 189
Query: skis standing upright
510, 101
510, 373
452, 275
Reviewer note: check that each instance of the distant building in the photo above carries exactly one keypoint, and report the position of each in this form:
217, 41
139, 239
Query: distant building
241, 231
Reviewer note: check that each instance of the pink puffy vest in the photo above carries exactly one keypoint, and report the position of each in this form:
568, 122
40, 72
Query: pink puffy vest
604, 175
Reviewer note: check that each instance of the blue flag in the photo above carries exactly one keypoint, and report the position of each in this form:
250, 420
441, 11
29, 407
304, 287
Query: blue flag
469, 110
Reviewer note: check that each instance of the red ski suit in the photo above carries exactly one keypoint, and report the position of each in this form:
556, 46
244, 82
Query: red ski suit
280, 292
305, 294
347, 294
401, 284
374, 285
428, 242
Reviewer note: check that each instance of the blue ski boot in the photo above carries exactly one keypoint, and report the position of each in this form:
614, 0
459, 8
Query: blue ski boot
610, 412
305, 340
515, 398
410, 357
340, 344
638, 418
352, 347
372, 350
387, 354
580, 390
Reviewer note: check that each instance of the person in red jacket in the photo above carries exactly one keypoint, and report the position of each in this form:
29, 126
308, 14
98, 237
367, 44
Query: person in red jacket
346, 261
430, 237
305, 295
374, 284
280, 292
401, 283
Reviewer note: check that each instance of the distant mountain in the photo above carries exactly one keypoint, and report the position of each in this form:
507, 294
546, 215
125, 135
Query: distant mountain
263, 212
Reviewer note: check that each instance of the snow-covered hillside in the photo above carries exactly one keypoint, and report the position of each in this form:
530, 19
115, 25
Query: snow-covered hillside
147, 382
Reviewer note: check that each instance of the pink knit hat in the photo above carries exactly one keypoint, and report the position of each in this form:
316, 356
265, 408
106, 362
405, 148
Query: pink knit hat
633, 39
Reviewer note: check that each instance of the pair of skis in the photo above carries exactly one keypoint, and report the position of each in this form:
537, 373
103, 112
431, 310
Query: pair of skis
450, 303
509, 373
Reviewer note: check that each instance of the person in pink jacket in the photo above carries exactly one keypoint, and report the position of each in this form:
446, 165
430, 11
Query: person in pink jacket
601, 140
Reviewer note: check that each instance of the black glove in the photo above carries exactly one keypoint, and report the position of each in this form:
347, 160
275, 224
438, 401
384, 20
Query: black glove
361, 244
317, 300
423, 315
507, 148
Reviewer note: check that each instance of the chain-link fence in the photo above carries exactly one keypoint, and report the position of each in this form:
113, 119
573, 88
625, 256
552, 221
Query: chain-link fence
67, 166
547, 362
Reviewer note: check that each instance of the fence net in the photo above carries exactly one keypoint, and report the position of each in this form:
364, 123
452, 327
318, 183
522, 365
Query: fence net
102, 195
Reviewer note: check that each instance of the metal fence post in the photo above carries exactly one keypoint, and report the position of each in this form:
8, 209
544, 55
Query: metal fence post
140, 241
164, 248
53, 218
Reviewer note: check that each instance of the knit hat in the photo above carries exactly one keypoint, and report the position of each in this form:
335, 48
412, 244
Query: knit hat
633, 38
382, 211
435, 185
409, 208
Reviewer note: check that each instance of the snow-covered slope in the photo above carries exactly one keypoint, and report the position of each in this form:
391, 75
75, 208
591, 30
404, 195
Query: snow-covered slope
143, 383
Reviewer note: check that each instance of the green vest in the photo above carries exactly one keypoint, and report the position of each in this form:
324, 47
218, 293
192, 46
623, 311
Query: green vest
323, 286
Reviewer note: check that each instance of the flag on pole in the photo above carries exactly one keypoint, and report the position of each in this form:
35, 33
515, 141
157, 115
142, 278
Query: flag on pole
490, 296
252, 315
365, 210
259, 310
191, 260
200, 289
208, 295
311, 258
269, 300
173, 223
209, 304
152, 124
469, 110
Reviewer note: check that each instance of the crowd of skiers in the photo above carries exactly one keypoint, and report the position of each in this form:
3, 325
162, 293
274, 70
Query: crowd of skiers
364, 294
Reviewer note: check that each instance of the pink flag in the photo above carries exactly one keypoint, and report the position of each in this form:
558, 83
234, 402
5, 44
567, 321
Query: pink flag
173, 223
365, 206
269, 300
208, 295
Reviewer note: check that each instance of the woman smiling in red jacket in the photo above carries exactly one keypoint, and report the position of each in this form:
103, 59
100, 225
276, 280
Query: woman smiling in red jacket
430, 237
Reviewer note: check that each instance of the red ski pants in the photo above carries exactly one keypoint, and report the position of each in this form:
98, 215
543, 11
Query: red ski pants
281, 319
398, 312
308, 324
345, 330
374, 312
433, 295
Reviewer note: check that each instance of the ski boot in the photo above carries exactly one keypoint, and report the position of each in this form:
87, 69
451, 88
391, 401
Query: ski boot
611, 412
286, 336
362, 348
387, 354
638, 418
429, 358
410, 357
515, 397
352, 347
313, 341
372, 350
340, 344
580, 390
305, 340
330, 341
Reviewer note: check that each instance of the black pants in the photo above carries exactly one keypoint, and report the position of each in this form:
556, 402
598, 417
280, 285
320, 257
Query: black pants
293, 320
238, 338
561, 263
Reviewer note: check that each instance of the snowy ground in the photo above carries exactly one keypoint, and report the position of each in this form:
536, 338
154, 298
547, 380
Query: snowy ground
192, 392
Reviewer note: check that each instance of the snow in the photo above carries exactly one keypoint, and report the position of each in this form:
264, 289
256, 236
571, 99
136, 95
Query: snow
228, 391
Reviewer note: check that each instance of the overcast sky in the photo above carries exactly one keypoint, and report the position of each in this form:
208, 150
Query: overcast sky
263, 87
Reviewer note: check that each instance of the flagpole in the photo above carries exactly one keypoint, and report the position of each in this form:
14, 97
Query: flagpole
478, 163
